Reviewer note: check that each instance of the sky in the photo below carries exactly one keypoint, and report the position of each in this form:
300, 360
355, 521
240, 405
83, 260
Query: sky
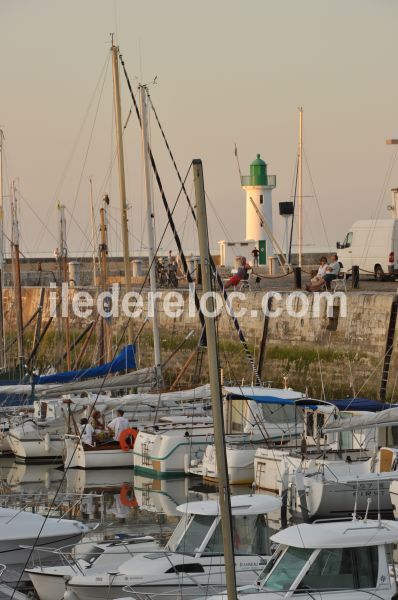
228, 72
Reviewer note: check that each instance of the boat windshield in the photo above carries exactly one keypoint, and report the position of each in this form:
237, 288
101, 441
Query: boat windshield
332, 569
249, 532
285, 571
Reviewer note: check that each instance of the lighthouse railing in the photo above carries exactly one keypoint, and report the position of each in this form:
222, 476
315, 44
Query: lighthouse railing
269, 180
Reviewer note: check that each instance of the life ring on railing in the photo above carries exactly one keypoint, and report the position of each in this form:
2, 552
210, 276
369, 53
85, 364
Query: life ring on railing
127, 497
127, 434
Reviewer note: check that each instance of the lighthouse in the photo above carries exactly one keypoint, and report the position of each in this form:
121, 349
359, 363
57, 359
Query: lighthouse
258, 186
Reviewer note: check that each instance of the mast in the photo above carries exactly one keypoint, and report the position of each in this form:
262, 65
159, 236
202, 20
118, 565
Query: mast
215, 383
65, 276
2, 346
150, 229
103, 251
122, 182
17, 279
300, 188
93, 234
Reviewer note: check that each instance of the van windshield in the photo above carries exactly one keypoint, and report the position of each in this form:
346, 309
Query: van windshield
348, 240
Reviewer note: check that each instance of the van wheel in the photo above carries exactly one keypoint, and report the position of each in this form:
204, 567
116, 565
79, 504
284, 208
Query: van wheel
379, 273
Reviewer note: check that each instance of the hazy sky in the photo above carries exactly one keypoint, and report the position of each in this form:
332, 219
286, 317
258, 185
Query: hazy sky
228, 72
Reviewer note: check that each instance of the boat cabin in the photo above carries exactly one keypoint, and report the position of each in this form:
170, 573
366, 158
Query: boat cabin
339, 560
199, 531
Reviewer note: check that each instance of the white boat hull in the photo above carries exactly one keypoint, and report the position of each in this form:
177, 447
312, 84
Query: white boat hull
170, 453
37, 449
181, 585
99, 457
51, 587
240, 460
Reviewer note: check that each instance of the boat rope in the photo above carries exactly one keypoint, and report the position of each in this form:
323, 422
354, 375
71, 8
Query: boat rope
166, 206
213, 268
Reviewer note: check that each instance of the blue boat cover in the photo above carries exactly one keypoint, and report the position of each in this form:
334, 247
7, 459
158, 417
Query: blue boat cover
125, 361
360, 404
262, 399
344, 404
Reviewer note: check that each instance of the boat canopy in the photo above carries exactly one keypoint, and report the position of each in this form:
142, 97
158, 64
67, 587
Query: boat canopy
124, 361
384, 418
343, 534
262, 395
241, 505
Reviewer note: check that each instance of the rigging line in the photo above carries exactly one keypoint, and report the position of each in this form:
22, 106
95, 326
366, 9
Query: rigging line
103, 72
165, 203
211, 261
223, 227
378, 205
72, 218
316, 198
89, 145
119, 341
37, 216
170, 152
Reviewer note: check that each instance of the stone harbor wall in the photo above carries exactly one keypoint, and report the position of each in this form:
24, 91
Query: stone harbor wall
335, 350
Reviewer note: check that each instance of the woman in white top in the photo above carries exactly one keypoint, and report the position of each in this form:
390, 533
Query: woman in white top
323, 265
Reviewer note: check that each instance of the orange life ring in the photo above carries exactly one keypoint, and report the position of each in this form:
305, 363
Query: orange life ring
127, 497
124, 444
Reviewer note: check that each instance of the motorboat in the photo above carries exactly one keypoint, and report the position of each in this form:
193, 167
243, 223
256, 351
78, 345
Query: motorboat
49, 581
193, 559
167, 448
40, 438
20, 530
346, 560
325, 474
254, 415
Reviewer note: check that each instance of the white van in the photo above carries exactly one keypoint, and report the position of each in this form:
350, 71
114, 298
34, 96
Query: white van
372, 246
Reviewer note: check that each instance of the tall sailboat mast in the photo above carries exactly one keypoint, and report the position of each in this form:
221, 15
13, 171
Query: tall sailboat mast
300, 189
65, 276
2, 347
215, 383
105, 345
122, 182
93, 234
150, 228
17, 279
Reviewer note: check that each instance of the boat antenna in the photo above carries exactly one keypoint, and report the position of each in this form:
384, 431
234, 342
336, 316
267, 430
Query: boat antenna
369, 500
354, 514
378, 501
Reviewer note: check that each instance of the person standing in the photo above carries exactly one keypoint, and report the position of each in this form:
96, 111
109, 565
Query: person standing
255, 255
118, 424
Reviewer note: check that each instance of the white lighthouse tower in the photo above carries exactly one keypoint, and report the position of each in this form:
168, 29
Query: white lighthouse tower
258, 186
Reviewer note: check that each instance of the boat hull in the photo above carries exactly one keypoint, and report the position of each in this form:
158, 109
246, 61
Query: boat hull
99, 457
169, 453
37, 449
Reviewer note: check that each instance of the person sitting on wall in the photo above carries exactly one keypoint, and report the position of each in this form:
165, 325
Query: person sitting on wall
242, 273
332, 272
323, 265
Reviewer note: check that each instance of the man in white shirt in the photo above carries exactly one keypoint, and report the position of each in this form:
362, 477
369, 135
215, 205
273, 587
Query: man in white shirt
86, 432
118, 424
